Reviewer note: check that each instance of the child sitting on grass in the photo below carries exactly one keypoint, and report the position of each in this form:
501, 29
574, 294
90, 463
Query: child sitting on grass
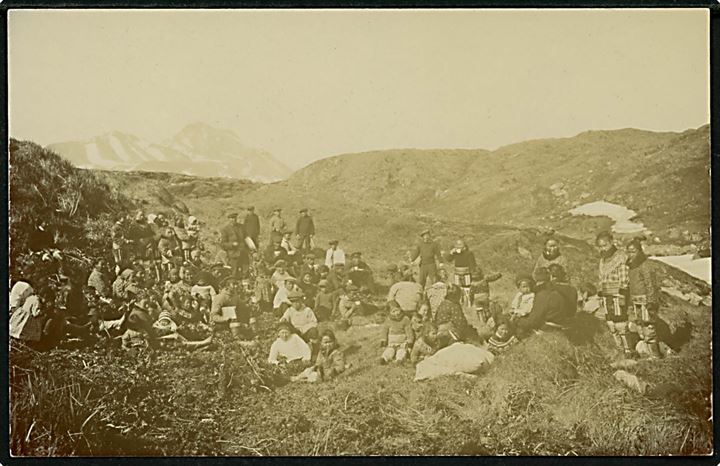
397, 336
324, 302
522, 303
263, 296
426, 344
504, 336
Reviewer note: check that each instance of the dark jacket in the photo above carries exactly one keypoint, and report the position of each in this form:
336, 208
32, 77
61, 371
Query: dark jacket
570, 297
464, 258
270, 257
305, 226
252, 225
548, 306
233, 233
428, 252
642, 281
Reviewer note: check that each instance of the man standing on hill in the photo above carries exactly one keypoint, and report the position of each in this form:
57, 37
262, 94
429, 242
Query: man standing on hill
429, 253
305, 230
277, 225
252, 226
232, 240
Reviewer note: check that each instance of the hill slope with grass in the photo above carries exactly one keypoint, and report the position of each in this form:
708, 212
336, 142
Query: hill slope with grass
554, 394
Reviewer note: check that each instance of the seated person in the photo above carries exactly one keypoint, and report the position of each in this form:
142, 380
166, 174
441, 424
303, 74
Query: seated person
397, 336
281, 301
324, 302
521, 305
301, 317
450, 319
288, 346
549, 307
406, 293
348, 304
590, 301
330, 361
230, 309
308, 287
280, 274
359, 272
426, 345
263, 290
504, 336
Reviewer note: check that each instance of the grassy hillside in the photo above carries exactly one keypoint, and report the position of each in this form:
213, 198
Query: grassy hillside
664, 177
553, 394
76, 206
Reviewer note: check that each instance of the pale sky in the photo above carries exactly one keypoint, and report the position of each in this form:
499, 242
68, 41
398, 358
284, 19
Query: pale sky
311, 84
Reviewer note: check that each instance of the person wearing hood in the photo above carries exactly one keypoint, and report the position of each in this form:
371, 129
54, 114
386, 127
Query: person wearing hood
551, 255
644, 296
614, 282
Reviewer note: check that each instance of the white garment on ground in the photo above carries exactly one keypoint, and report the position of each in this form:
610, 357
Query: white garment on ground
19, 293
456, 358
30, 308
292, 349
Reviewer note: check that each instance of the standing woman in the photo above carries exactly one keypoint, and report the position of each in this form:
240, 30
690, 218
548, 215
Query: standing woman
614, 282
644, 296
464, 266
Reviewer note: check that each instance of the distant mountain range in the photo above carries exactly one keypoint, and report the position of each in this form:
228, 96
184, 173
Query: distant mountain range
198, 149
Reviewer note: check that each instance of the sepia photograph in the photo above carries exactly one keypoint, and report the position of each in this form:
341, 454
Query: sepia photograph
359, 232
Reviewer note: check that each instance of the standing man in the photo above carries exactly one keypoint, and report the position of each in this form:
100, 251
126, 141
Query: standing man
232, 240
429, 253
334, 255
252, 226
277, 225
305, 230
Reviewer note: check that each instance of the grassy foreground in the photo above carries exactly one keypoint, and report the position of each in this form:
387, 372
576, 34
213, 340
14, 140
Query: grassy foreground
553, 394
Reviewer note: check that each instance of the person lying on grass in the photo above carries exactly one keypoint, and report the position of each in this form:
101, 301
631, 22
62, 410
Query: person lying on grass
288, 347
397, 336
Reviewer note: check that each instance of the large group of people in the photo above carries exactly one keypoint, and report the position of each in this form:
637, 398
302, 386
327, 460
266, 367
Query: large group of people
161, 285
